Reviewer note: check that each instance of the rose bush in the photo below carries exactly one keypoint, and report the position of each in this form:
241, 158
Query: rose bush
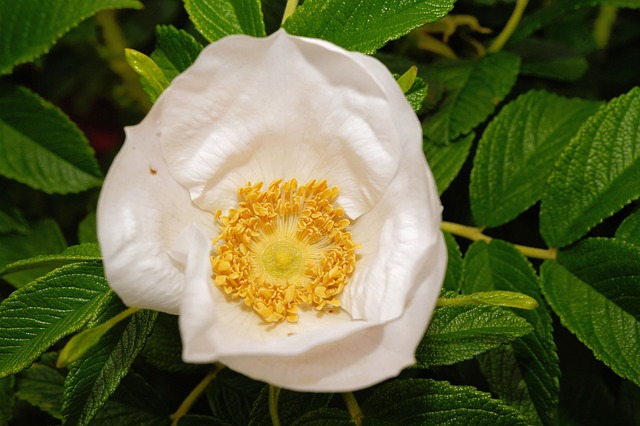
276, 197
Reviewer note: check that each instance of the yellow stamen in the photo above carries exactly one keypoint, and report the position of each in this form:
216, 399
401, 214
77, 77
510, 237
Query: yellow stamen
284, 247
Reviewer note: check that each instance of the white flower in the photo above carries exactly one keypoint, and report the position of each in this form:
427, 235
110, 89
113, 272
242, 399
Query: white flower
286, 284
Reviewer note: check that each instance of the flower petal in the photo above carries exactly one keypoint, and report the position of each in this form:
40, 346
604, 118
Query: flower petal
141, 211
361, 359
398, 236
316, 114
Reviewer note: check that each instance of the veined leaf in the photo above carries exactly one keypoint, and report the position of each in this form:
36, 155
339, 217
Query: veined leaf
164, 347
546, 59
45, 237
534, 366
134, 403
472, 89
431, 402
74, 254
324, 417
11, 220
218, 18
447, 160
604, 327
364, 26
455, 267
291, 405
597, 173
231, 396
458, 333
152, 79
175, 50
629, 229
41, 147
30, 28
610, 267
6, 400
41, 385
517, 151
94, 377
36, 316
553, 10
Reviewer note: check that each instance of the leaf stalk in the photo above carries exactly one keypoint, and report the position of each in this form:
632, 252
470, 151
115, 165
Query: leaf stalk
509, 28
475, 234
195, 394
274, 396
353, 407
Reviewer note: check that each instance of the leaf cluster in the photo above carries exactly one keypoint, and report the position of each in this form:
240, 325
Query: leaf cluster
531, 132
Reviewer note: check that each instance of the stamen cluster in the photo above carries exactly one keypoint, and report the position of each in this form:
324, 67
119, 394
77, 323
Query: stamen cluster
284, 247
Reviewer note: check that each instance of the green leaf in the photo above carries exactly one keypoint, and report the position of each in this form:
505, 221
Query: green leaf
44, 237
504, 377
41, 147
472, 89
73, 254
164, 347
291, 405
175, 50
231, 396
553, 10
597, 173
446, 161
605, 328
152, 79
324, 417
87, 229
586, 400
6, 400
215, 19
458, 333
455, 268
364, 26
29, 28
416, 94
430, 402
610, 267
95, 377
12, 220
546, 59
629, 229
36, 316
134, 403
41, 385
532, 376
517, 151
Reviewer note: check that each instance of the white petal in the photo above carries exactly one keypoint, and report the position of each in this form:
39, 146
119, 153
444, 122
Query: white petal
398, 236
362, 359
317, 113
141, 210
212, 326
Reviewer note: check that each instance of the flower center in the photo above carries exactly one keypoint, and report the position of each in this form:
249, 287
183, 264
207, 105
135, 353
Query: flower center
284, 247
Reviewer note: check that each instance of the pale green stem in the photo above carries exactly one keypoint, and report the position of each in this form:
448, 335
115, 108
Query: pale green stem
509, 28
289, 9
195, 394
604, 25
353, 407
115, 44
475, 234
274, 395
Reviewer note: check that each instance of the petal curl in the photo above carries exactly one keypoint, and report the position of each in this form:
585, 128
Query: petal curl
141, 210
280, 107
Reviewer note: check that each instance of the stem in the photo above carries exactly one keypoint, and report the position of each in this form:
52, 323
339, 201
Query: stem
353, 407
509, 28
604, 25
289, 9
274, 395
194, 395
475, 234
115, 43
